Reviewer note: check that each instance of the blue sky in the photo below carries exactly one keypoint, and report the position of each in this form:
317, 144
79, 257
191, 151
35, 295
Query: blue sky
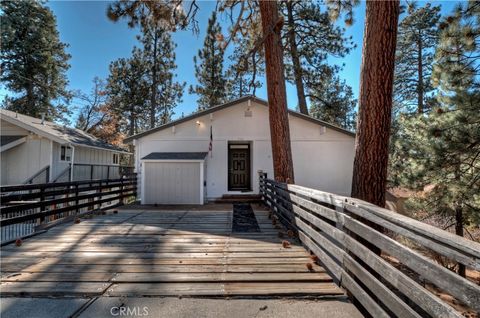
95, 42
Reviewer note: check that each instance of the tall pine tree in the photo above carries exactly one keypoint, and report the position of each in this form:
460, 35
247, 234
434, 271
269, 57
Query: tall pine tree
416, 42
127, 86
277, 94
375, 101
441, 149
157, 20
243, 72
334, 103
159, 58
34, 61
309, 37
209, 68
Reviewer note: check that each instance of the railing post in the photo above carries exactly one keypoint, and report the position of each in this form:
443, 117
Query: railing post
91, 200
108, 172
261, 178
274, 200
42, 208
77, 210
99, 197
122, 199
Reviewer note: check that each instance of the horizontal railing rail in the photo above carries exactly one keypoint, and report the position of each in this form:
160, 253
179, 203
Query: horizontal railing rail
63, 176
26, 208
84, 171
381, 258
42, 176
89, 171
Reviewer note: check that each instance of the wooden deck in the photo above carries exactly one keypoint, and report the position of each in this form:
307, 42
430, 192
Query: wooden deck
155, 252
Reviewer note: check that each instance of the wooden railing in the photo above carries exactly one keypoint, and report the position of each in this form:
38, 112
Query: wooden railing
27, 208
41, 176
381, 258
84, 171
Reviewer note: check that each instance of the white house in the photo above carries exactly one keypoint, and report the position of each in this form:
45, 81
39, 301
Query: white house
37, 151
174, 164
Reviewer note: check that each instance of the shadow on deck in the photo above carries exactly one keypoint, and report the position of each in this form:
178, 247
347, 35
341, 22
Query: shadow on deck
163, 251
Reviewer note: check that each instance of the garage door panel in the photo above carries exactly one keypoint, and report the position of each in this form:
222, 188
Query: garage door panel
172, 183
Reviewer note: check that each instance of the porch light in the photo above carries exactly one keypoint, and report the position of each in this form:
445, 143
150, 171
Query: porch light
198, 122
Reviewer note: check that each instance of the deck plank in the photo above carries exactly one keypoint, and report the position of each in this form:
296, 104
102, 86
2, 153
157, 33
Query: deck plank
156, 268
219, 277
223, 289
81, 289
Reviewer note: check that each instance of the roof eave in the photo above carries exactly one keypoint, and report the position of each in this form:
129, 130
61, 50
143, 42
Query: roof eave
128, 140
52, 137
193, 116
33, 129
321, 122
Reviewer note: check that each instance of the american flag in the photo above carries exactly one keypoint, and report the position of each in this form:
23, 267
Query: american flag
210, 146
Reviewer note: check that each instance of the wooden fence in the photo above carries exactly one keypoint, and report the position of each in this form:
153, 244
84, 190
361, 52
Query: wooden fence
402, 280
26, 208
84, 171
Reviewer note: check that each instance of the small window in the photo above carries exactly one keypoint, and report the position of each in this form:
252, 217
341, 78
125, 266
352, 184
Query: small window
65, 153
115, 158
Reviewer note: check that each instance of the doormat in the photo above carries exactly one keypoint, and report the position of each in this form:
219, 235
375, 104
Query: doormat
244, 219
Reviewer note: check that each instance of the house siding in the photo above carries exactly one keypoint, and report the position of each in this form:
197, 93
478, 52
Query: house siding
23, 161
84, 155
322, 157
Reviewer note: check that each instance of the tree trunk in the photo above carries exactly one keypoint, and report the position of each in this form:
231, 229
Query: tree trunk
420, 77
459, 220
277, 97
153, 97
241, 86
31, 111
375, 106
132, 121
297, 68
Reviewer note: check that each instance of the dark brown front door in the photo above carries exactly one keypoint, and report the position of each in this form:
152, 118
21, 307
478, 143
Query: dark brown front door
238, 167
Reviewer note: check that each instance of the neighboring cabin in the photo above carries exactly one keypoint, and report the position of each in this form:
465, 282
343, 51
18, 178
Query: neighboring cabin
37, 151
174, 164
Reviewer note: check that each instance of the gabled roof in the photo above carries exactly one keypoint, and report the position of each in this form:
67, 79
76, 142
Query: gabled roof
233, 103
175, 156
56, 132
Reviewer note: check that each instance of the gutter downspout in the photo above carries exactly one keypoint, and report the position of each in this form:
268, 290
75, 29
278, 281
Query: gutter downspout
50, 176
72, 162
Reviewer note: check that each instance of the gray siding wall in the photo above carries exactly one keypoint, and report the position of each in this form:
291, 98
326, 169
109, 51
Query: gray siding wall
85, 155
23, 161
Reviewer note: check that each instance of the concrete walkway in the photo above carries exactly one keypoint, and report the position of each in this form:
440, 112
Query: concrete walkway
175, 307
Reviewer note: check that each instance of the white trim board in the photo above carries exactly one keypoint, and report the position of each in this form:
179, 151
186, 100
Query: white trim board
12, 144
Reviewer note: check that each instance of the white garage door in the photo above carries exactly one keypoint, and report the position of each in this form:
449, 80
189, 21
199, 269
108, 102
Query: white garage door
172, 183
